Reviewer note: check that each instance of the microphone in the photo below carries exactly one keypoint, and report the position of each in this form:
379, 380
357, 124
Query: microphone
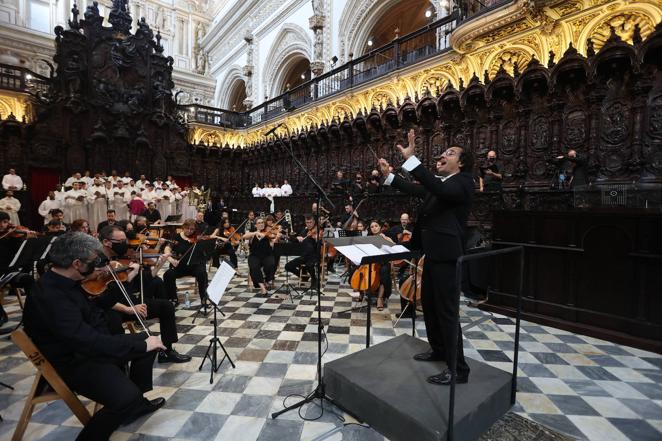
272, 131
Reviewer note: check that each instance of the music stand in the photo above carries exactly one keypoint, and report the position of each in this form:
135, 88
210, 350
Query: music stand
215, 291
287, 250
347, 246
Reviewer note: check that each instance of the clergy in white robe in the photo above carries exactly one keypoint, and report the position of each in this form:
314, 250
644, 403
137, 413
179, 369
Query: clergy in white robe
149, 194
188, 207
12, 181
47, 205
75, 204
98, 198
71, 179
10, 205
142, 182
177, 200
165, 204
121, 199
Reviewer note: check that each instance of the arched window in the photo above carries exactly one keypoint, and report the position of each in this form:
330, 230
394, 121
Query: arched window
237, 96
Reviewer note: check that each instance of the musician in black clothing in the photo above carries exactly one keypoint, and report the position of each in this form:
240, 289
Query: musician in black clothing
151, 213
439, 233
340, 185
190, 261
249, 225
110, 220
261, 261
490, 179
308, 250
396, 233
201, 227
224, 244
72, 333
115, 245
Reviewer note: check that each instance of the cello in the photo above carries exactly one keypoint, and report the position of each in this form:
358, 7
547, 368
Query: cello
410, 289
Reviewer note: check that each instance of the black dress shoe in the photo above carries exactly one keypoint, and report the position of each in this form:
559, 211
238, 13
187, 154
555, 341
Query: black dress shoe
429, 356
149, 406
444, 378
172, 356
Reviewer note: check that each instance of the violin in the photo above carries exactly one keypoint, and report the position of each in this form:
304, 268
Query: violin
97, 282
363, 275
232, 235
410, 289
19, 231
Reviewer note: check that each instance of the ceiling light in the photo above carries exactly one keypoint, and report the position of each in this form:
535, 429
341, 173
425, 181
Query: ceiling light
303, 76
428, 13
370, 41
28, 77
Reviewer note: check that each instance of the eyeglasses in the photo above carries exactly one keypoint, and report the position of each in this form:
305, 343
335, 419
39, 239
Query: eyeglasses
450, 152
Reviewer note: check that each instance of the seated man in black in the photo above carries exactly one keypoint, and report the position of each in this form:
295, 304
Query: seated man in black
72, 333
152, 215
201, 227
340, 185
190, 261
115, 245
308, 250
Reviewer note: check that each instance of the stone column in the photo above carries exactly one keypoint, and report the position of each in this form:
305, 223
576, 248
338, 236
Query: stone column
316, 23
248, 70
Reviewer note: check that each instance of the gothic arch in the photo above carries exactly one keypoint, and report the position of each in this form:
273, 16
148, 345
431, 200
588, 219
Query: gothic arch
233, 74
507, 57
291, 45
358, 19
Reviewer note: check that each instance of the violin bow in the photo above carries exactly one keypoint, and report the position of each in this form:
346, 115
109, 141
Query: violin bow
127, 297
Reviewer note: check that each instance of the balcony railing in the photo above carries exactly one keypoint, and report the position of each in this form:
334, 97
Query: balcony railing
21, 79
402, 52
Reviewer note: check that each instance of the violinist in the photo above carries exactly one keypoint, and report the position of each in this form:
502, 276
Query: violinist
189, 262
308, 250
9, 246
73, 334
261, 261
115, 245
249, 226
225, 234
80, 225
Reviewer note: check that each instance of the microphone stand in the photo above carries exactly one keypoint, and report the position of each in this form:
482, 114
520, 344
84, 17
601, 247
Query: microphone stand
319, 391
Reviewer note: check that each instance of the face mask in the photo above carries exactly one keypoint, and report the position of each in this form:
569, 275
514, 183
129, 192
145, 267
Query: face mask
491, 160
120, 248
88, 271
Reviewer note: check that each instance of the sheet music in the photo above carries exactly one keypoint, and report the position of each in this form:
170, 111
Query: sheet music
220, 282
352, 252
369, 249
394, 249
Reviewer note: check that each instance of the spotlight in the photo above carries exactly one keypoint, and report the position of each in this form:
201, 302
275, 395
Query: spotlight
370, 41
428, 13
334, 60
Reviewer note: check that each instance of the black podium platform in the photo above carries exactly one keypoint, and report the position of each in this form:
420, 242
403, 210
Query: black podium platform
384, 387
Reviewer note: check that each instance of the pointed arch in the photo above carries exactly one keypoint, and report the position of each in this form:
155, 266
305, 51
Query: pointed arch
232, 76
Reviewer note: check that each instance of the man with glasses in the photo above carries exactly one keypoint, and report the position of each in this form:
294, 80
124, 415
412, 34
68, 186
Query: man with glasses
439, 233
73, 335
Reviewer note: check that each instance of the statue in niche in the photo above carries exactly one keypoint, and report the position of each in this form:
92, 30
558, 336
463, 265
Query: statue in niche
160, 20
200, 32
318, 47
249, 86
318, 7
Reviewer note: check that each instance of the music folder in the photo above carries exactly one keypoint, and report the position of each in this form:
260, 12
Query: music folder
362, 250
220, 282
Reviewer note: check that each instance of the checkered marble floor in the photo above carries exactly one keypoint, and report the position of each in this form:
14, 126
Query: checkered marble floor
578, 385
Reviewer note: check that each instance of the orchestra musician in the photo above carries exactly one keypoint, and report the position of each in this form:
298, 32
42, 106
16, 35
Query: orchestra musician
115, 245
385, 282
201, 227
439, 234
223, 234
186, 264
261, 261
73, 335
309, 253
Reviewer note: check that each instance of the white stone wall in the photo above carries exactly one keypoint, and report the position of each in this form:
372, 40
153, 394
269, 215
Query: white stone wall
26, 34
281, 31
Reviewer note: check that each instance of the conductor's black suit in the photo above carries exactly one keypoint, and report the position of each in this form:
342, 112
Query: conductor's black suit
439, 234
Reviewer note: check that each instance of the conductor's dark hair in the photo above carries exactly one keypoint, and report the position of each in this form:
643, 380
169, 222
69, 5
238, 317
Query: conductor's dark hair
466, 159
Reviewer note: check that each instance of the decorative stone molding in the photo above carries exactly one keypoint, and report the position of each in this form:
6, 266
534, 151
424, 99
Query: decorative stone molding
317, 67
291, 43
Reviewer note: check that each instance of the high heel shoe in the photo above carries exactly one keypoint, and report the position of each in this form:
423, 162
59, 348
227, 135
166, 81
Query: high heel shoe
380, 304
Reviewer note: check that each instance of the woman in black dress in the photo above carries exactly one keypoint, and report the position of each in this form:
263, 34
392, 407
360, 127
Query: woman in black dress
261, 261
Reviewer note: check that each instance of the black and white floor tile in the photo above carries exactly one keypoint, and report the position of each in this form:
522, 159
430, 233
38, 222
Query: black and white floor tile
584, 387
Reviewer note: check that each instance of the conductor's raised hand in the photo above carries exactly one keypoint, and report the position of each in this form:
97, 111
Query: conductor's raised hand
383, 166
410, 150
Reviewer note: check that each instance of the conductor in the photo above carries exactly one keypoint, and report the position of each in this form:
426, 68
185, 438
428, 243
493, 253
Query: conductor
439, 234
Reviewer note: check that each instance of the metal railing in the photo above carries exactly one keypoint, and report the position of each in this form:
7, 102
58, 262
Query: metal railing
402, 52
21, 79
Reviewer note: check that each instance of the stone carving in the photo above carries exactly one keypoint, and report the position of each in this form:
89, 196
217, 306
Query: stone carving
318, 7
